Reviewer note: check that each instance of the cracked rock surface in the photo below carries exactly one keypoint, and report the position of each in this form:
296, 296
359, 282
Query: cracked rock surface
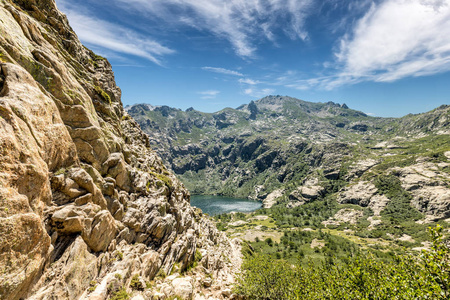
87, 208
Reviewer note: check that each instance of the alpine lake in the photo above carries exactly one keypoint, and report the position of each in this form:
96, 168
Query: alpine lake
214, 205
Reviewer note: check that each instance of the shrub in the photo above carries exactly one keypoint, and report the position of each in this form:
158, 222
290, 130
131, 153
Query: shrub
399, 208
92, 286
135, 283
120, 295
360, 277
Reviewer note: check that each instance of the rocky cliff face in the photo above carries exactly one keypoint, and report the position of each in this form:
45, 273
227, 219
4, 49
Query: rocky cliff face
87, 209
284, 150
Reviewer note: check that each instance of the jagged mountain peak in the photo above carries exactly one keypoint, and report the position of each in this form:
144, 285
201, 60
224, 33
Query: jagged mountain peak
285, 104
269, 106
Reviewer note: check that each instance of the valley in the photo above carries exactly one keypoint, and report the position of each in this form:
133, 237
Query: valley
323, 172
271, 147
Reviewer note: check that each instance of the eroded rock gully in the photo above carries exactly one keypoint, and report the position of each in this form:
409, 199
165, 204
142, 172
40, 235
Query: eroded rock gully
86, 207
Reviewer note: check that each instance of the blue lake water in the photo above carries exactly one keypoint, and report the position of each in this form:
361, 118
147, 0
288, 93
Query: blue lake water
214, 205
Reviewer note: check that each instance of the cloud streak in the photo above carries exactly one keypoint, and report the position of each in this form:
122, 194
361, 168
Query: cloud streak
223, 71
115, 38
394, 40
209, 94
258, 93
249, 81
241, 22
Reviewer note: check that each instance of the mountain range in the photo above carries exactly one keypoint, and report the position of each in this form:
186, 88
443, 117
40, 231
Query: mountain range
285, 150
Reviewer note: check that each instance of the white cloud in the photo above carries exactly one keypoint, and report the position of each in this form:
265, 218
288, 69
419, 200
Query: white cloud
115, 38
258, 93
209, 94
241, 22
394, 40
249, 81
223, 71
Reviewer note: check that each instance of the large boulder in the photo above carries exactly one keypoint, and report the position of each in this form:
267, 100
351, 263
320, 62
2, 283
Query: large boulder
365, 194
183, 287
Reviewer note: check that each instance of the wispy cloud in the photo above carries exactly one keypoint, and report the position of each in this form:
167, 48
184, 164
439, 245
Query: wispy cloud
254, 92
223, 71
249, 81
394, 40
112, 37
241, 22
210, 94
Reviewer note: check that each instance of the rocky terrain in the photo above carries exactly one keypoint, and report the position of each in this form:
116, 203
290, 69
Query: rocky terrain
87, 209
291, 152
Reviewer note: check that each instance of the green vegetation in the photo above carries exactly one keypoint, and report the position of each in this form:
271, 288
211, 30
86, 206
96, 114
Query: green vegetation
2, 58
165, 179
193, 263
120, 295
223, 219
432, 146
61, 171
313, 155
135, 283
405, 276
92, 286
310, 214
161, 273
98, 57
104, 95
95, 58
295, 247
399, 208
285, 142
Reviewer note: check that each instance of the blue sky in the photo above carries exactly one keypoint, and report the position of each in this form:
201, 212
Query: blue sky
385, 58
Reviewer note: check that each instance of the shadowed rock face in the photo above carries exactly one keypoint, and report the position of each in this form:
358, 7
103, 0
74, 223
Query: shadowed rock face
82, 195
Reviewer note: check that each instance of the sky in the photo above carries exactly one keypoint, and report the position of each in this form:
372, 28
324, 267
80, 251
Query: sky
386, 58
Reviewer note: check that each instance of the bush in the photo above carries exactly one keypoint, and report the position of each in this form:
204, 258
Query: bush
360, 277
269, 241
135, 283
399, 208
120, 295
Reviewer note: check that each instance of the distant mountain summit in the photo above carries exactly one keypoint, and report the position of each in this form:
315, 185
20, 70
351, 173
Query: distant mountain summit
285, 104
286, 150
